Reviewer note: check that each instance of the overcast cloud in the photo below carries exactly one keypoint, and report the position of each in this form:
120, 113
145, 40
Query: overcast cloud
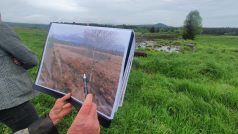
215, 13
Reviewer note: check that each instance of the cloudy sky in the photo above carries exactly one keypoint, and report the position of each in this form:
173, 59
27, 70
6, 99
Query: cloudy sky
215, 13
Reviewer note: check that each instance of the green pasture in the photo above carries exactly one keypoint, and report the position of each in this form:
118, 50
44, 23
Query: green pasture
168, 93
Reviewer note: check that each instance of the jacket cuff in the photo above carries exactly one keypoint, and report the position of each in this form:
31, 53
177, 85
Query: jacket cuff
43, 126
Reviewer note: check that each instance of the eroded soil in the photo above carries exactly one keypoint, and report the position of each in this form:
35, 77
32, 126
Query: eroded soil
65, 65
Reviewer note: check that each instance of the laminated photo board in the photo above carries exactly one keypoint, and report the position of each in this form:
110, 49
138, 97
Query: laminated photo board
85, 59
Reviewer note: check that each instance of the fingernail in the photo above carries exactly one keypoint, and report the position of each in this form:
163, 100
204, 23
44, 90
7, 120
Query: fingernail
89, 98
90, 94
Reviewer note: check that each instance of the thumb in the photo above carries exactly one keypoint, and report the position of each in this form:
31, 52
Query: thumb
87, 105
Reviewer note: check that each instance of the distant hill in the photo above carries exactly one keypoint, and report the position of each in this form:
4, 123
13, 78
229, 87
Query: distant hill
77, 40
161, 25
158, 25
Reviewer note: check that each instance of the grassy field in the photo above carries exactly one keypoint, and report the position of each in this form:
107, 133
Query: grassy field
191, 92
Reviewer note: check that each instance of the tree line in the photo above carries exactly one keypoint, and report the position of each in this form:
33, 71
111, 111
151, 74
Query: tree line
220, 31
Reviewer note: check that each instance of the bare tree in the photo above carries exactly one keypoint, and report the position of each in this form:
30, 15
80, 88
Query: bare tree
98, 39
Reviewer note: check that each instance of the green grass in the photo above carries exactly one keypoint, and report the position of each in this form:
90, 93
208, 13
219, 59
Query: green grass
191, 92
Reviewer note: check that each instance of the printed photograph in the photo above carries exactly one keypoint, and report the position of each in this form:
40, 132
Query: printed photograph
77, 55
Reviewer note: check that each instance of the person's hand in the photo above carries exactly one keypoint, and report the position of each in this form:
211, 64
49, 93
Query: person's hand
86, 122
60, 109
17, 62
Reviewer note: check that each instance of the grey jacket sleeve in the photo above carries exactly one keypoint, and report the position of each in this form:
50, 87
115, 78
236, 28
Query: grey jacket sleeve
12, 44
42, 126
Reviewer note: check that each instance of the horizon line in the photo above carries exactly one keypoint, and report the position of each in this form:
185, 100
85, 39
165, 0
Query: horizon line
111, 24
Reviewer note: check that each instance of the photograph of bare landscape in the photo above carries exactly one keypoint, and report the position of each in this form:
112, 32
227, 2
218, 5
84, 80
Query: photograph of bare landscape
72, 51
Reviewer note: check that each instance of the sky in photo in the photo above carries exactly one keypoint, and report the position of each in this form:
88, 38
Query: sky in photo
121, 36
215, 13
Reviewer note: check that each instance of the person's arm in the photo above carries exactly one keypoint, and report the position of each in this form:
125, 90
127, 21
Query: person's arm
86, 121
43, 125
46, 125
12, 44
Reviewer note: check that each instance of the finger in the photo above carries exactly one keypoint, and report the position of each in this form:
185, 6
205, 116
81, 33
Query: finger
94, 117
67, 105
66, 97
65, 112
89, 99
15, 61
61, 101
86, 107
93, 112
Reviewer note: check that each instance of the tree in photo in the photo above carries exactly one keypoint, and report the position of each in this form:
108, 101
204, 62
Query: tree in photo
192, 25
100, 40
